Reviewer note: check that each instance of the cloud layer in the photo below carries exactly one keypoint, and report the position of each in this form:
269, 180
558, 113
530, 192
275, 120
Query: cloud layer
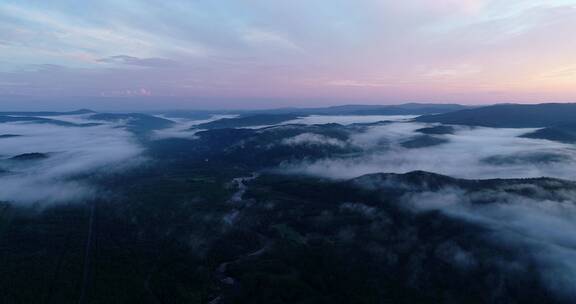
290, 52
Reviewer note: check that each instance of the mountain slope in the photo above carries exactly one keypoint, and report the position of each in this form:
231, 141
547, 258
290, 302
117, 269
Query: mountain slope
47, 113
135, 122
509, 116
248, 121
565, 133
40, 120
402, 109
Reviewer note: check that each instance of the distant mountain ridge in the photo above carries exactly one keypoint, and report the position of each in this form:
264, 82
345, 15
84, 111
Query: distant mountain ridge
509, 116
41, 120
247, 121
48, 113
401, 109
277, 116
565, 133
135, 122
428, 181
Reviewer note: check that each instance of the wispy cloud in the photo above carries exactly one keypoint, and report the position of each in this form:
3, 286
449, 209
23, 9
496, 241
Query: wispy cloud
144, 62
372, 50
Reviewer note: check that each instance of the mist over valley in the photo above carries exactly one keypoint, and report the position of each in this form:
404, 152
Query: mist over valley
246, 207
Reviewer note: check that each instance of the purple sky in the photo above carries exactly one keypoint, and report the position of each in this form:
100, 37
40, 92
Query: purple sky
262, 53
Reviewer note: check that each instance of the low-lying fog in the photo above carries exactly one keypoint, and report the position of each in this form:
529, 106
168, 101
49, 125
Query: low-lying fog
183, 126
347, 119
542, 230
539, 231
468, 153
62, 154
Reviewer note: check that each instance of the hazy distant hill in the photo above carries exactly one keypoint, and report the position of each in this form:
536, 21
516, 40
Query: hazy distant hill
260, 148
276, 116
248, 121
437, 130
423, 141
30, 156
77, 112
40, 120
565, 133
136, 122
402, 109
9, 135
509, 116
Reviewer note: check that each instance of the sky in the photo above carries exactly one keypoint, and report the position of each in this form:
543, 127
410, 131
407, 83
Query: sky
263, 53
